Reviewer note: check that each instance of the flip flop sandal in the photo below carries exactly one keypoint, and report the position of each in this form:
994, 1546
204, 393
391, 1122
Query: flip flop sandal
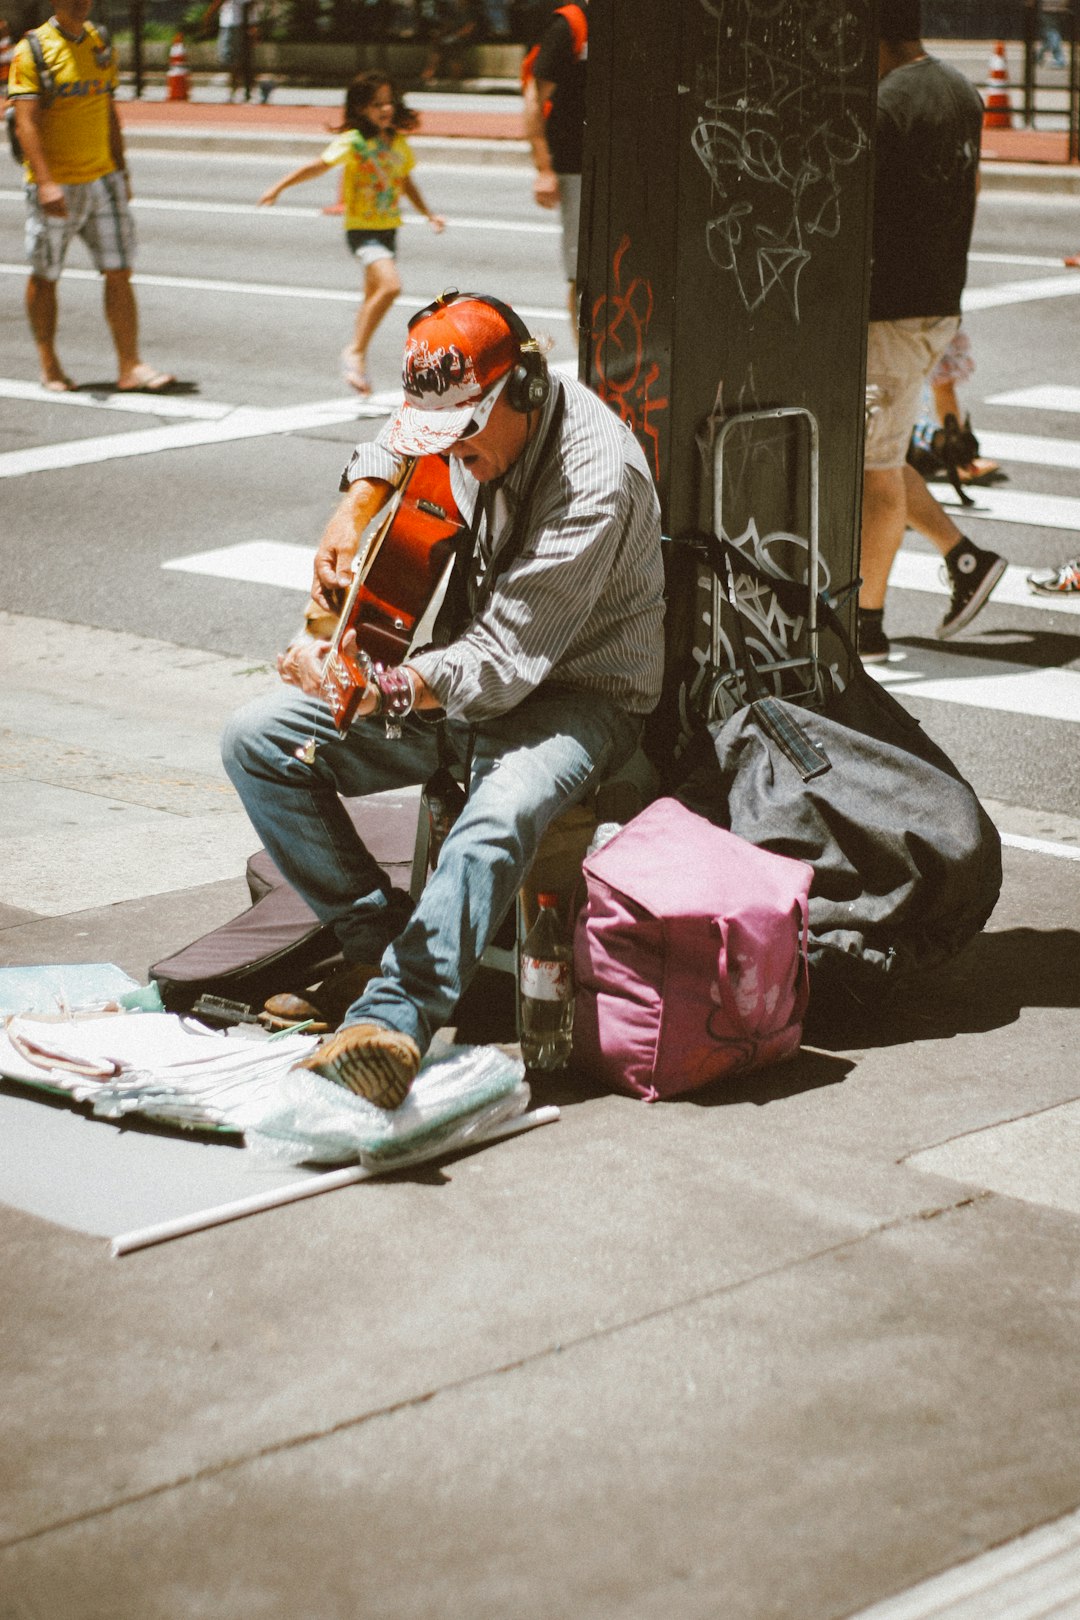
150, 382
354, 373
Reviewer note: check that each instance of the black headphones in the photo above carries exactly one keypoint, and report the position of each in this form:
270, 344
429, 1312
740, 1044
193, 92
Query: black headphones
528, 387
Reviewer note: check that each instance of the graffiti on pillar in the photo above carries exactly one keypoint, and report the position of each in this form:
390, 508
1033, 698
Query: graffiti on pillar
781, 115
626, 377
774, 637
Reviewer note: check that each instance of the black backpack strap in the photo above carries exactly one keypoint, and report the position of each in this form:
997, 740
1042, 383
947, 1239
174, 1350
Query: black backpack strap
515, 541
46, 82
725, 559
104, 49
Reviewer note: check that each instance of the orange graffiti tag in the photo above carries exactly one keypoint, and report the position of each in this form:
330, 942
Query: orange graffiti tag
625, 377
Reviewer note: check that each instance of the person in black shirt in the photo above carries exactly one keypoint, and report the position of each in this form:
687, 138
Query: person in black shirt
929, 126
553, 84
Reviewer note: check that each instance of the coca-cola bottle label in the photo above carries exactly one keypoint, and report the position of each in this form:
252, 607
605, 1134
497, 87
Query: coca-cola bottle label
544, 980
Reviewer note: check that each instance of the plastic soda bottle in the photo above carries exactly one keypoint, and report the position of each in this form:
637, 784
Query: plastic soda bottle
547, 990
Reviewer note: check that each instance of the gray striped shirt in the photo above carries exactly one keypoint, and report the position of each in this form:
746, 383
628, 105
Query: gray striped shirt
581, 604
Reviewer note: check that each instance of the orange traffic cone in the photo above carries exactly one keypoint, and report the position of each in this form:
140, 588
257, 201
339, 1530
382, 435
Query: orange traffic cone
998, 114
176, 79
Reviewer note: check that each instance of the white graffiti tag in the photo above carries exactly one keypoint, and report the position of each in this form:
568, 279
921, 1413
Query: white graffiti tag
779, 120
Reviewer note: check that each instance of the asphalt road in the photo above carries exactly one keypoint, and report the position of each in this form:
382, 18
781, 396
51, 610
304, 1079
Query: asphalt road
251, 307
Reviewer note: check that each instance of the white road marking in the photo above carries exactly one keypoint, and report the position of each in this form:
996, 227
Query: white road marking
983, 683
172, 205
245, 422
525, 227
258, 562
217, 425
1020, 292
1033, 259
918, 571
179, 405
1034, 449
1047, 397
1013, 506
263, 289
1052, 694
1041, 846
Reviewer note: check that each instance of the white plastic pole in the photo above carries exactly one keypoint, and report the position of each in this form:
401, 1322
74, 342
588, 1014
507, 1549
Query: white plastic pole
293, 1191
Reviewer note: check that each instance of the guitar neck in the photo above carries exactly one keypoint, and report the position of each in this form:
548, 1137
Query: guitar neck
368, 547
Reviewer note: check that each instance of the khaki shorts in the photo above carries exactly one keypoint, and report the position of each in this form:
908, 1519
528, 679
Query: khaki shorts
900, 355
98, 212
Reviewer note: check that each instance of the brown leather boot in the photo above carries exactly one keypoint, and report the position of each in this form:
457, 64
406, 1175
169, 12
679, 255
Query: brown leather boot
370, 1060
328, 1002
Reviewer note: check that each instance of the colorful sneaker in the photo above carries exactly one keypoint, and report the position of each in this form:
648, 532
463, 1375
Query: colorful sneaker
370, 1060
874, 645
972, 575
1063, 581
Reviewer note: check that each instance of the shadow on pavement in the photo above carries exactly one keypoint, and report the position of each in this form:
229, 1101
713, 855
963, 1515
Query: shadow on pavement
986, 987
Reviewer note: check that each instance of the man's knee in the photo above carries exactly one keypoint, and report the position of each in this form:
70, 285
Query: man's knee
251, 740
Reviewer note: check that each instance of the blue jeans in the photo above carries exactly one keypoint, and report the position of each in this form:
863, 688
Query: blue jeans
527, 767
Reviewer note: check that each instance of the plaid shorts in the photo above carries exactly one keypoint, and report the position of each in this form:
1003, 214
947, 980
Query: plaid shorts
98, 212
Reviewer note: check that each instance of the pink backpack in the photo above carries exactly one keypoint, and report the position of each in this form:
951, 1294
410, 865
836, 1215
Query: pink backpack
689, 954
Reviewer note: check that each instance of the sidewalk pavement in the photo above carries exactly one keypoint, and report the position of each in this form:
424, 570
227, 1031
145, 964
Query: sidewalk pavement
489, 129
777, 1351
781, 1349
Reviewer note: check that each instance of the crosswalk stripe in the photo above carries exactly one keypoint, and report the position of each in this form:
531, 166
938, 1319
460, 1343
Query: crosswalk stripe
1041, 846
243, 423
258, 562
1020, 292
1046, 397
457, 222
264, 289
178, 405
277, 562
1036, 450
1014, 506
923, 672
982, 683
920, 571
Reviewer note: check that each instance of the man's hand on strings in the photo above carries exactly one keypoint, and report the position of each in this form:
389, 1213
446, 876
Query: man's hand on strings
301, 664
340, 542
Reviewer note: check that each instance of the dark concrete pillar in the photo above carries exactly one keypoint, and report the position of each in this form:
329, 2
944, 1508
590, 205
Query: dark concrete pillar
725, 265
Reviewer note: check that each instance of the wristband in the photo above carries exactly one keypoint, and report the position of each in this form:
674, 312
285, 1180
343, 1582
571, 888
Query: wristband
395, 695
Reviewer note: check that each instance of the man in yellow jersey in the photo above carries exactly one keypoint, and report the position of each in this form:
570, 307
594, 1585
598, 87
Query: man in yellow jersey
76, 185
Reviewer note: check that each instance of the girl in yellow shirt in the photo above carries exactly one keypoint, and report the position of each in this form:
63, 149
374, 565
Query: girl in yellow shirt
378, 163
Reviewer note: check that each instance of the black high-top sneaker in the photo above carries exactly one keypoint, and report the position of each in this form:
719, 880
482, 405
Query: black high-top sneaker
872, 641
972, 575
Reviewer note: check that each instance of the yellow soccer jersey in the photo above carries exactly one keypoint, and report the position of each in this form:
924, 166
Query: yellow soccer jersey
375, 171
75, 123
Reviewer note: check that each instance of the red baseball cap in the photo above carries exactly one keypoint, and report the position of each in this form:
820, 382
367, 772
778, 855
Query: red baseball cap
454, 355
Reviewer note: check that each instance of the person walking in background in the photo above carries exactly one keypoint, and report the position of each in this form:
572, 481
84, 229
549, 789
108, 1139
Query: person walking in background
553, 87
62, 81
929, 127
1063, 581
232, 17
1051, 21
455, 25
378, 163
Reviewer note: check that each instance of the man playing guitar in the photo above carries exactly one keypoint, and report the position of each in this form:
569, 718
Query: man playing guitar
545, 659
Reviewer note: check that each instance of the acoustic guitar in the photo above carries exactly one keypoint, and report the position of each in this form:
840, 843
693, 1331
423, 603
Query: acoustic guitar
402, 559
